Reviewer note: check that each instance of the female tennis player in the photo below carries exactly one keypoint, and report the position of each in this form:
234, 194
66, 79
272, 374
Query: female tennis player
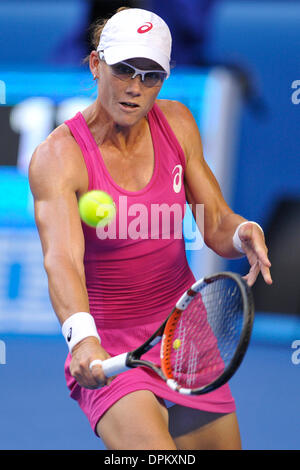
110, 294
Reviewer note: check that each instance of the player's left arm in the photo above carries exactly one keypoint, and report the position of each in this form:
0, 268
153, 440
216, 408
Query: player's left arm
220, 222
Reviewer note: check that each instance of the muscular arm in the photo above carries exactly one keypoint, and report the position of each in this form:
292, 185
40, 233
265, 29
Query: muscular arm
56, 176
54, 181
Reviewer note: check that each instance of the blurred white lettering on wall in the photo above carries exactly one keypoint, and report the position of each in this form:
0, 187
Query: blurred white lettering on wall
2, 352
296, 94
2, 92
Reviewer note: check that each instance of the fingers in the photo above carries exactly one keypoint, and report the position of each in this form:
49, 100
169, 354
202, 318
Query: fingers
85, 365
263, 265
255, 269
91, 378
95, 362
97, 372
265, 271
253, 241
252, 275
261, 252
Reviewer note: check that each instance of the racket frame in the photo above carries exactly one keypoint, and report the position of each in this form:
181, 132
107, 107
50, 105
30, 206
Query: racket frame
248, 319
133, 359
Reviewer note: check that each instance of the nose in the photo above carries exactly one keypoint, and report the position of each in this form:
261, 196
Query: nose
134, 86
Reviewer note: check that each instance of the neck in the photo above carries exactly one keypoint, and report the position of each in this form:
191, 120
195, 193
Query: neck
107, 132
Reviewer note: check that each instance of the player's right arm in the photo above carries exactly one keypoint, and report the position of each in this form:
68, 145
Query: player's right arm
57, 176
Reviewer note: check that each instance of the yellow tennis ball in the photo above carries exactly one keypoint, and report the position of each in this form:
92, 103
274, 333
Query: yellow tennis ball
96, 208
176, 344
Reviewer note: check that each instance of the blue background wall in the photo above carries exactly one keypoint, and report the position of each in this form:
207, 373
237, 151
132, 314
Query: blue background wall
263, 38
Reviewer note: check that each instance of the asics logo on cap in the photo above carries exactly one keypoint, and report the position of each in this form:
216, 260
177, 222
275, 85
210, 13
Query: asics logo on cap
145, 28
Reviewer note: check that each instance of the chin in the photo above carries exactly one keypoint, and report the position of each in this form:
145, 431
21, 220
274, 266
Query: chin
127, 121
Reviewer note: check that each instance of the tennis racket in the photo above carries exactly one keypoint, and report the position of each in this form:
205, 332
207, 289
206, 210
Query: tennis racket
203, 340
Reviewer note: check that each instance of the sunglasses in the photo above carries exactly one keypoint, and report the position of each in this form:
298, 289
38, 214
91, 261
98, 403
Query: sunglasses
126, 72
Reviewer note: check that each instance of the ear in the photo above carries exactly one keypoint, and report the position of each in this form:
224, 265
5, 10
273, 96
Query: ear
94, 64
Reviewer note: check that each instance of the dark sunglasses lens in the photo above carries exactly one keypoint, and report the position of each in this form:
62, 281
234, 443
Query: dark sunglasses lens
122, 71
154, 78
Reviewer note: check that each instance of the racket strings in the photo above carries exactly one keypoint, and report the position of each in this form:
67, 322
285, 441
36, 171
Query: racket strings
206, 335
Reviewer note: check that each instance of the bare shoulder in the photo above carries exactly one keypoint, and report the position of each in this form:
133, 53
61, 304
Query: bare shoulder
182, 123
57, 161
171, 106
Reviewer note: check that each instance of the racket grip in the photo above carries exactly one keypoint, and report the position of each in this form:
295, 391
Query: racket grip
115, 365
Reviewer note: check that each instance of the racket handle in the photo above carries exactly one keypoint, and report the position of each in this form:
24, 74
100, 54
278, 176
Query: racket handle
115, 365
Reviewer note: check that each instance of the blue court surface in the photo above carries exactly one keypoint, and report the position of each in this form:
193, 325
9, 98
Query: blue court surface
37, 413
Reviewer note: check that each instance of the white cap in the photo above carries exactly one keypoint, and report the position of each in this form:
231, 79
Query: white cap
136, 33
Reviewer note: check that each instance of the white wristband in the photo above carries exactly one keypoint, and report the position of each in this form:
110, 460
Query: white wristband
236, 239
77, 327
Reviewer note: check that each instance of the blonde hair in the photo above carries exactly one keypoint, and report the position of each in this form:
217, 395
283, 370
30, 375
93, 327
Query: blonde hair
96, 29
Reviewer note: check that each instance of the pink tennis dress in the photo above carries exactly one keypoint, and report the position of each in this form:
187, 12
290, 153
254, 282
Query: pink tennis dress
136, 269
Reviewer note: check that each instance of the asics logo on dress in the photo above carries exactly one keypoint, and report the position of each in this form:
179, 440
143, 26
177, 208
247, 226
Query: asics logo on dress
177, 180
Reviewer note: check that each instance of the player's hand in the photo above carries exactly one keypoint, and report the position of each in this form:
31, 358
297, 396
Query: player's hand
253, 243
83, 354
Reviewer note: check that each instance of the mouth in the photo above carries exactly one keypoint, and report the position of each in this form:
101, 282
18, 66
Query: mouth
128, 105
